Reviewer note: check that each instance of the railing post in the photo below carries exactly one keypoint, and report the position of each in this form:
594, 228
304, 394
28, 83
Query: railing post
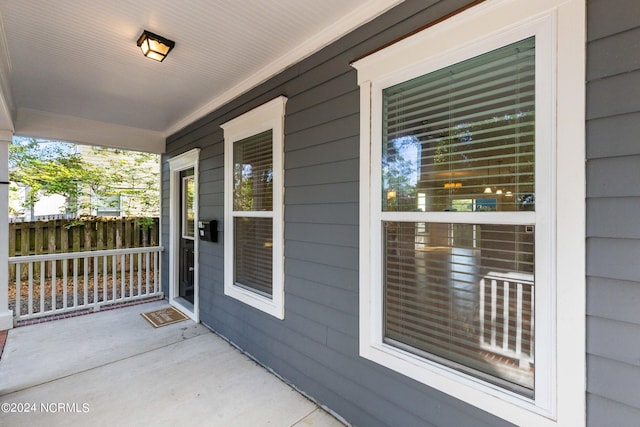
6, 315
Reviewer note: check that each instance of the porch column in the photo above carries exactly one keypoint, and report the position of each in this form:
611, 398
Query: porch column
6, 315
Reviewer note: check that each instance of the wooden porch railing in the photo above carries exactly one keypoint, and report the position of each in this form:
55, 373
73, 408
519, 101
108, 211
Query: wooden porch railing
506, 315
85, 280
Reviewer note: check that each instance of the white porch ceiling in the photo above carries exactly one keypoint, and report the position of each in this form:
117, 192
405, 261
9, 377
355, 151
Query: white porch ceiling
71, 69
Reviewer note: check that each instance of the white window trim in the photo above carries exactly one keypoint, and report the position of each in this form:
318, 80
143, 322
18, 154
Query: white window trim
269, 116
560, 309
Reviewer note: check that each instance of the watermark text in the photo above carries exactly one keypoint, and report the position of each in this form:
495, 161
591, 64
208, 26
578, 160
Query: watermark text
45, 407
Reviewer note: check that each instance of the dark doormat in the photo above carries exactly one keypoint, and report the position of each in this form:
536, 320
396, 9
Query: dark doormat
164, 317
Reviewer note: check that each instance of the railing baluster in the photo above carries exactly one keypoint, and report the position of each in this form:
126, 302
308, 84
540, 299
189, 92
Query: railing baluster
519, 320
65, 267
505, 316
30, 308
131, 282
105, 270
123, 278
75, 282
147, 277
114, 277
494, 297
532, 327
96, 284
139, 274
43, 275
86, 280
18, 286
156, 282
54, 285
482, 287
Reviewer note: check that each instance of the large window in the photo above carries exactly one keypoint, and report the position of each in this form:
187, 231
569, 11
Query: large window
460, 236
463, 132
253, 207
253, 194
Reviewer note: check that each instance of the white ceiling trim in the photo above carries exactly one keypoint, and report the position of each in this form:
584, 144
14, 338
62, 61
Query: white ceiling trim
40, 124
6, 100
340, 28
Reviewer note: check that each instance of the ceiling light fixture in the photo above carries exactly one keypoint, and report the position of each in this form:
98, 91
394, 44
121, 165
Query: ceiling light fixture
452, 184
154, 46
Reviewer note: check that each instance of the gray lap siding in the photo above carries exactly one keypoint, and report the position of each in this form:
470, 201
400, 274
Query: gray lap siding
613, 209
316, 346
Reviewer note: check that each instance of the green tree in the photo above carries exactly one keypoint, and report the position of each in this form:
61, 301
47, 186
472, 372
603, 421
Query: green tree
48, 168
130, 179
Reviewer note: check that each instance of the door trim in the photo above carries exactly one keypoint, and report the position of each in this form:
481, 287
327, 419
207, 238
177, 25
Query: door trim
181, 162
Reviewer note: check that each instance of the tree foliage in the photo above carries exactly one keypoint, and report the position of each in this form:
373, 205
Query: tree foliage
132, 178
51, 167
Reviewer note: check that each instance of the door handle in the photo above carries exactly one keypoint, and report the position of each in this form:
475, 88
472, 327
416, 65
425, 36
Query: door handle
191, 269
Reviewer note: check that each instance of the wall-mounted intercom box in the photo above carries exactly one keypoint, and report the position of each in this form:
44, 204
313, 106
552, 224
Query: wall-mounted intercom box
208, 230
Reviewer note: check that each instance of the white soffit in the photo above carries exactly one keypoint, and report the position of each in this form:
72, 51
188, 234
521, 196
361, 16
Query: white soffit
79, 59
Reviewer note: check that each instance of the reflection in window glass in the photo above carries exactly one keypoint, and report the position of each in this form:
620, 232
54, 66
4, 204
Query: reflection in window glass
462, 132
461, 139
254, 253
253, 173
463, 296
188, 206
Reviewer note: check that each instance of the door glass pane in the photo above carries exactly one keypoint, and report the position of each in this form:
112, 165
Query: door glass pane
253, 249
253, 173
462, 295
462, 132
188, 206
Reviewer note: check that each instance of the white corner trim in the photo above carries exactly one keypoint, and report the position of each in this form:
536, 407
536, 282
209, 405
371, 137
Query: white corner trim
6, 315
343, 26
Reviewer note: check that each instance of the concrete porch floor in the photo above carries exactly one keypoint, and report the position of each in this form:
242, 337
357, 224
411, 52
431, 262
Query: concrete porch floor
114, 369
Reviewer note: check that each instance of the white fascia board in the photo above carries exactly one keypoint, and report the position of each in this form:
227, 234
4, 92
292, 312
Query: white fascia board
42, 124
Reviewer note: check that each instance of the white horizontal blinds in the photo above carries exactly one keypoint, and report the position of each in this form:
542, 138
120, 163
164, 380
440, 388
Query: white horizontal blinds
462, 132
253, 173
254, 253
462, 139
253, 212
462, 294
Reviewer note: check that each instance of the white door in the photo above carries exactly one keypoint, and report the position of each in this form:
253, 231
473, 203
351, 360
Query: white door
183, 240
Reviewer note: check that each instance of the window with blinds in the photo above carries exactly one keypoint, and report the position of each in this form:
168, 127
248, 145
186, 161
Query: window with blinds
253, 212
461, 139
